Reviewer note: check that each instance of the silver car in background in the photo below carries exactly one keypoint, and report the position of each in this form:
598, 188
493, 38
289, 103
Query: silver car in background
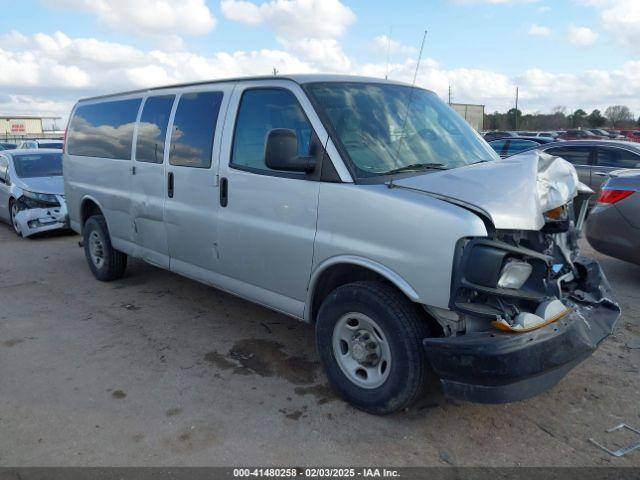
32, 191
613, 227
365, 207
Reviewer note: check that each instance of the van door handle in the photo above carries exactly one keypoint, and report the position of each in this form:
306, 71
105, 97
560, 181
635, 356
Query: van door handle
170, 185
224, 192
601, 174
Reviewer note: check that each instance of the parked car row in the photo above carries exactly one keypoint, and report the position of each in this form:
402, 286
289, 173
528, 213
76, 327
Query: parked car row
570, 134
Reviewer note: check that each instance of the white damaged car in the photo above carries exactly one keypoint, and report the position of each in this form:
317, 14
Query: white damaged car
32, 191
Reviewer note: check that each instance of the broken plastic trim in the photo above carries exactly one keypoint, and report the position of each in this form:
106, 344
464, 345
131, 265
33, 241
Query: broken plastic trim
501, 324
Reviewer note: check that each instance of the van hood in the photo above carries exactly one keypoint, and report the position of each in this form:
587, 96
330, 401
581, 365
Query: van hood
52, 185
513, 193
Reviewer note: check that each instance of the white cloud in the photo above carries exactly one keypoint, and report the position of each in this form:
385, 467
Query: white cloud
148, 17
621, 19
539, 30
293, 18
383, 44
492, 2
46, 74
581, 36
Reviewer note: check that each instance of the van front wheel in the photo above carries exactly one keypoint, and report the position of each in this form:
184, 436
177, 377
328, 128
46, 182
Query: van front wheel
105, 262
369, 337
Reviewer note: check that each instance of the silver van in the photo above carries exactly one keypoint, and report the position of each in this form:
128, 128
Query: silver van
366, 207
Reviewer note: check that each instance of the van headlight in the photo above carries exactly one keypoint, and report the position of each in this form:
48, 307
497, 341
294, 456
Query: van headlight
514, 274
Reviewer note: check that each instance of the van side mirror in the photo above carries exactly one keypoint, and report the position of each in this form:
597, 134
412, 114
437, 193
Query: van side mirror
281, 152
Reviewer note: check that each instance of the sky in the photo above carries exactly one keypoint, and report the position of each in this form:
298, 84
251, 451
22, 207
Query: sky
572, 53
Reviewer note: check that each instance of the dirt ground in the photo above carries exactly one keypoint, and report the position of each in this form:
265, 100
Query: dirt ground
156, 369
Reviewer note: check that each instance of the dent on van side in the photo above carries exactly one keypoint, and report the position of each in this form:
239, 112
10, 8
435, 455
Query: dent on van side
367, 208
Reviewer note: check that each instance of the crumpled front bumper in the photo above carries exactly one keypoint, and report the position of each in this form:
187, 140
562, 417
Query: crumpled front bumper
32, 221
497, 367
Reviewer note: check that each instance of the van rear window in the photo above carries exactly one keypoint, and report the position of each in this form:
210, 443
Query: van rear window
103, 129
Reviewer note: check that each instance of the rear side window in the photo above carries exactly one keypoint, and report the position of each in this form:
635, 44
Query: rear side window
152, 129
262, 110
103, 129
517, 146
575, 155
498, 145
194, 126
617, 157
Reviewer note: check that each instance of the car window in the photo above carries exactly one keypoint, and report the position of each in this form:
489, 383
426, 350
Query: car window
33, 165
517, 146
4, 169
574, 155
617, 157
50, 145
260, 111
103, 129
152, 129
498, 145
194, 127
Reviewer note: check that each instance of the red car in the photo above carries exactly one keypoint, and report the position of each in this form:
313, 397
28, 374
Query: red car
631, 135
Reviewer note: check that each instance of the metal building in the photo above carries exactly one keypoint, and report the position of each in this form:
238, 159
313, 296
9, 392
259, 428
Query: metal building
474, 114
15, 127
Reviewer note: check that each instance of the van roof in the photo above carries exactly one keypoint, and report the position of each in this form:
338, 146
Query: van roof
298, 78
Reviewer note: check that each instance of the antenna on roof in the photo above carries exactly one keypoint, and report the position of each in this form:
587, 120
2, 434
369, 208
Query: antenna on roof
275, 71
413, 86
386, 75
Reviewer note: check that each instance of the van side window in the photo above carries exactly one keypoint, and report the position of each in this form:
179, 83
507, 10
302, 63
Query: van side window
194, 126
103, 129
152, 129
260, 111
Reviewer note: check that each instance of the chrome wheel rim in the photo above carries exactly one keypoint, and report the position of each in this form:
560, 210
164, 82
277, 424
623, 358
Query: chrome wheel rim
96, 249
361, 350
14, 212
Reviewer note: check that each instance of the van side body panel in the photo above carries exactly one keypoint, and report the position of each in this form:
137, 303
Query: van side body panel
407, 237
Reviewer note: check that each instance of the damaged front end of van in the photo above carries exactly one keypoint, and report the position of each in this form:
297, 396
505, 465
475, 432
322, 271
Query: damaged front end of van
525, 305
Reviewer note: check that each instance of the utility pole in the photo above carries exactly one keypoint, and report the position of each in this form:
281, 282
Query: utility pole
517, 89
449, 94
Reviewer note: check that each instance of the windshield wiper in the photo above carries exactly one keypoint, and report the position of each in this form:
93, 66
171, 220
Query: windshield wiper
417, 167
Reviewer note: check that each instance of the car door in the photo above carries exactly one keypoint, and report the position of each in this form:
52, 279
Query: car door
268, 217
612, 158
4, 188
191, 187
148, 179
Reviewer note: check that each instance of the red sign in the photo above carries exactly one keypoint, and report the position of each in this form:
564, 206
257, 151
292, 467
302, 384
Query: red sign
18, 127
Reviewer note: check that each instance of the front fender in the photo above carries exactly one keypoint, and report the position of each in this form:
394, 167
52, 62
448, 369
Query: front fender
355, 260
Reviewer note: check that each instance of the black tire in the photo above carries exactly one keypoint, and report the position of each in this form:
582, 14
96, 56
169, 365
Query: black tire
113, 263
11, 222
401, 324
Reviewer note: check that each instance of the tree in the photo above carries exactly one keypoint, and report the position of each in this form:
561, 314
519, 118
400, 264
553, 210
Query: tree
512, 117
618, 115
596, 120
579, 118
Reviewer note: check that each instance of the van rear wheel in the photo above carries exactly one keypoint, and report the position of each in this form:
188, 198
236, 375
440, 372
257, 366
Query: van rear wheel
369, 337
105, 262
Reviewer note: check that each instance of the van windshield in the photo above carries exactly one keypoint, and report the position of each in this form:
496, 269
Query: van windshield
386, 128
